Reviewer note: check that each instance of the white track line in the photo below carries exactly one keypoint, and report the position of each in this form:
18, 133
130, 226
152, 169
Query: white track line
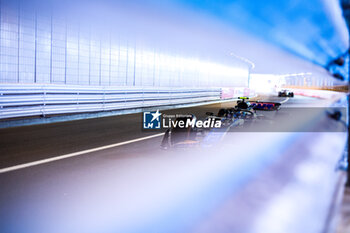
30, 164
284, 100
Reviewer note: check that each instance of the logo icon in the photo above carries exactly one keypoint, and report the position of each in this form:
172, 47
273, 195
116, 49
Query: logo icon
151, 120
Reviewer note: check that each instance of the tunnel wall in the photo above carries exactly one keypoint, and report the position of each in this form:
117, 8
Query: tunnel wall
46, 48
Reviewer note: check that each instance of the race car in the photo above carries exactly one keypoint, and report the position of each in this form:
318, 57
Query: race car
186, 137
242, 104
263, 105
239, 119
285, 93
180, 136
236, 113
256, 105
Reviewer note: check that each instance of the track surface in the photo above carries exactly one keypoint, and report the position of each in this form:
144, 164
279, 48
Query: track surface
63, 196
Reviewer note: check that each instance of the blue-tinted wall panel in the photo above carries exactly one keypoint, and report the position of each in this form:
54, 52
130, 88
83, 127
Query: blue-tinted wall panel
42, 45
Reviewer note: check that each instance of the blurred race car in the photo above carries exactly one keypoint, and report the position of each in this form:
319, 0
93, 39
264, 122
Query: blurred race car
238, 118
236, 113
263, 105
242, 104
285, 93
186, 137
180, 136
256, 105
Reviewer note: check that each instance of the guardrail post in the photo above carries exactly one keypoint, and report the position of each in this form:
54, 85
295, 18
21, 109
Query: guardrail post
159, 103
169, 96
44, 102
78, 100
1, 94
125, 93
1, 106
104, 98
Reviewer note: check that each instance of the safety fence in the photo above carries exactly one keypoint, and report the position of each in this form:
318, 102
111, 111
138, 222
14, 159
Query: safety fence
41, 100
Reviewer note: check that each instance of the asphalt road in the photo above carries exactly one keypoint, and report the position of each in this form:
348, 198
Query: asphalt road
30, 143
135, 187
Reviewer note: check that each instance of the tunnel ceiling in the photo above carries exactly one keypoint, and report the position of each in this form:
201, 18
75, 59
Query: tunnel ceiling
315, 29
275, 35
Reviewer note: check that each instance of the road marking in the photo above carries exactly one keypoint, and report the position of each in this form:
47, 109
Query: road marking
282, 102
30, 164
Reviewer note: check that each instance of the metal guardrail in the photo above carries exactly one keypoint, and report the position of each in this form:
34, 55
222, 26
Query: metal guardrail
22, 100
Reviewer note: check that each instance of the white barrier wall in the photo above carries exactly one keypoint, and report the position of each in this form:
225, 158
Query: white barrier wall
39, 47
